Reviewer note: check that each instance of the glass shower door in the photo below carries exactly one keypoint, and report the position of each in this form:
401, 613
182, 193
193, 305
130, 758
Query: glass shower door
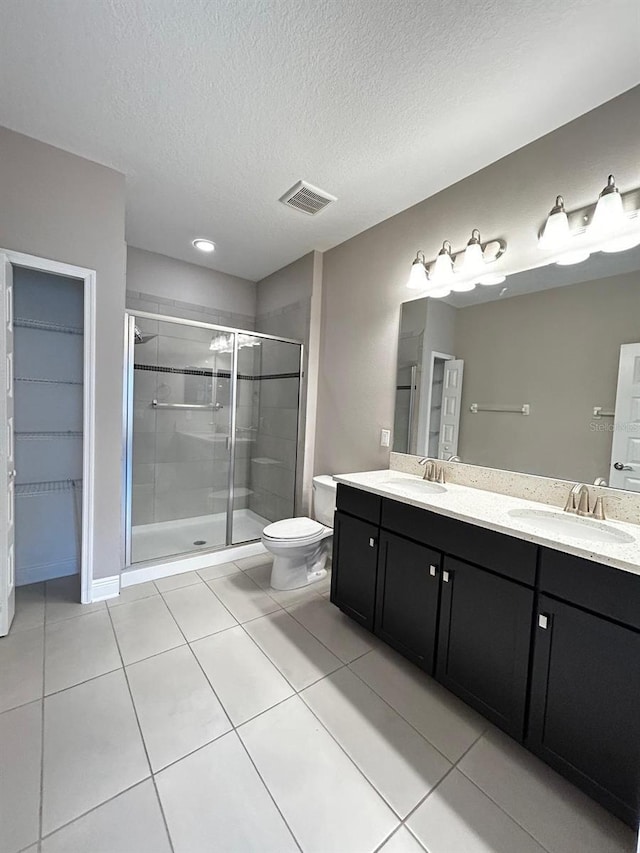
266, 434
181, 403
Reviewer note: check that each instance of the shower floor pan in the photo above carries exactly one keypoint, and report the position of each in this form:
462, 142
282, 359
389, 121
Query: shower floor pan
169, 538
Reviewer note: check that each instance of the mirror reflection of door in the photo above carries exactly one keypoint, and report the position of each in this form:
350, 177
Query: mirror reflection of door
442, 416
625, 447
450, 412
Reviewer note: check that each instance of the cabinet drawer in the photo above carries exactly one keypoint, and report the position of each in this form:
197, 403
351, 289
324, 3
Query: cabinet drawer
602, 589
503, 554
356, 502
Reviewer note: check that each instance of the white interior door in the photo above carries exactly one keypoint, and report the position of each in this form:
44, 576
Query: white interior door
7, 458
625, 447
450, 417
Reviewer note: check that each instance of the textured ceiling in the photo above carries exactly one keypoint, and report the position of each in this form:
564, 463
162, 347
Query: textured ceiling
213, 108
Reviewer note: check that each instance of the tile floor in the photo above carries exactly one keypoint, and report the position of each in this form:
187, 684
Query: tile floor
202, 713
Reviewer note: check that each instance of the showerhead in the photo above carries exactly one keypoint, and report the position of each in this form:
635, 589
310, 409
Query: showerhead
139, 338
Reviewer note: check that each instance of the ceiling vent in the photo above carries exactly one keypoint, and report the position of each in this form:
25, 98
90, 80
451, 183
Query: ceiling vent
306, 198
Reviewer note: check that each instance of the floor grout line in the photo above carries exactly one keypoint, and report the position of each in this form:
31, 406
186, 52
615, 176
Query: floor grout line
268, 790
95, 808
408, 722
232, 730
440, 781
42, 730
503, 810
144, 744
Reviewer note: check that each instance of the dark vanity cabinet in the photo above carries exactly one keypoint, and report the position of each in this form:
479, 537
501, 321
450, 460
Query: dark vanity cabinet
356, 532
407, 598
353, 580
544, 644
585, 687
484, 642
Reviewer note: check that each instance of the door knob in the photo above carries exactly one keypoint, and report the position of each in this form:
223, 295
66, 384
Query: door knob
619, 466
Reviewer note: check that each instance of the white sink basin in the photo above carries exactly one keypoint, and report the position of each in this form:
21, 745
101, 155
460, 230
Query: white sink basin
547, 521
416, 488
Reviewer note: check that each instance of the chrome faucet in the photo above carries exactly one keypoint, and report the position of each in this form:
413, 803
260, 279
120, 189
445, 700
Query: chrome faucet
433, 472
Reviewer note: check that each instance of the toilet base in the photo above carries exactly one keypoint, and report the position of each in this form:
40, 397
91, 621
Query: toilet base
296, 571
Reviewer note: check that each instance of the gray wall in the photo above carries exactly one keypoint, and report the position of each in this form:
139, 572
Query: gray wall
59, 206
558, 351
364, 279
283, 308
167, 286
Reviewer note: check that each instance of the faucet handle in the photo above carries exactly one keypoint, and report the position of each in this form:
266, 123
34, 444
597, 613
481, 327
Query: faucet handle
570, 505
598, 510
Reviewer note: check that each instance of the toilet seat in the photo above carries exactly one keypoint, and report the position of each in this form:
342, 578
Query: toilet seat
301, 531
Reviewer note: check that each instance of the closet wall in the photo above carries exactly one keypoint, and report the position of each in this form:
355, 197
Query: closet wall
48, 377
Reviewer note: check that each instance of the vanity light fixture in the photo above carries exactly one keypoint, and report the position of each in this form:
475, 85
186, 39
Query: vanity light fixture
203, 244
609, 219
556, 229
611, 229
418, 277
460, 273
441, 273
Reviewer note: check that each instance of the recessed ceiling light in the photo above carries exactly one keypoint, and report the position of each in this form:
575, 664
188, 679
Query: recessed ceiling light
203, 244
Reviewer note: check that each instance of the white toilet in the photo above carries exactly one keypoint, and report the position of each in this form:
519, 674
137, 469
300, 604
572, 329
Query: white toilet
301, 546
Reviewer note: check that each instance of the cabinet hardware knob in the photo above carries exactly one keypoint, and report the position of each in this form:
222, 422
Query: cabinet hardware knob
372, 543
543, 621
433, 571
445, 577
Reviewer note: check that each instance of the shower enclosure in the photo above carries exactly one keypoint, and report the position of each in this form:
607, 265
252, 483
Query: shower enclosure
211, 432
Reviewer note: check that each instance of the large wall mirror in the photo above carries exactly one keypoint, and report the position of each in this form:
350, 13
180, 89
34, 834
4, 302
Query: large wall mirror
540, 374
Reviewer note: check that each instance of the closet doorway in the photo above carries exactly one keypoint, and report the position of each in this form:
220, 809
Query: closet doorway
46, 410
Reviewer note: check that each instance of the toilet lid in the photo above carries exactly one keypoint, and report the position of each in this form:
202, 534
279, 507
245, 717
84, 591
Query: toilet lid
293, 528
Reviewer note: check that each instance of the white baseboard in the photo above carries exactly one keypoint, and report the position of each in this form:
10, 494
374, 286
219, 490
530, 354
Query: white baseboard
102, 588
153, 571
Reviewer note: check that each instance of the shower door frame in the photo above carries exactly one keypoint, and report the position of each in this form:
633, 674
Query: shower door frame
128, 385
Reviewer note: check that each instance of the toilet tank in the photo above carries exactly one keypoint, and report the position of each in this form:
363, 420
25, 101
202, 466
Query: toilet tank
324, 499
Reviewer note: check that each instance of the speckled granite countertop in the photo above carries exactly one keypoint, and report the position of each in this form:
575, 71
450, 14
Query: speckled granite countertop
491, 511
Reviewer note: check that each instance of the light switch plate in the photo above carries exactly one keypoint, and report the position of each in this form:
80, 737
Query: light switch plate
385, 437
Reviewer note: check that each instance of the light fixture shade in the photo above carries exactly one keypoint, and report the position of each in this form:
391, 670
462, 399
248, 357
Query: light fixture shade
556, 232
464, 286
621, 244
609, 216
492, 278
439, 292
442, 270
418, 279
576, 256
473, 260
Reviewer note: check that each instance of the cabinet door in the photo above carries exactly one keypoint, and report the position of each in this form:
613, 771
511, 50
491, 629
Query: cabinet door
484, 642
585, 701
355, 558
407, 598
